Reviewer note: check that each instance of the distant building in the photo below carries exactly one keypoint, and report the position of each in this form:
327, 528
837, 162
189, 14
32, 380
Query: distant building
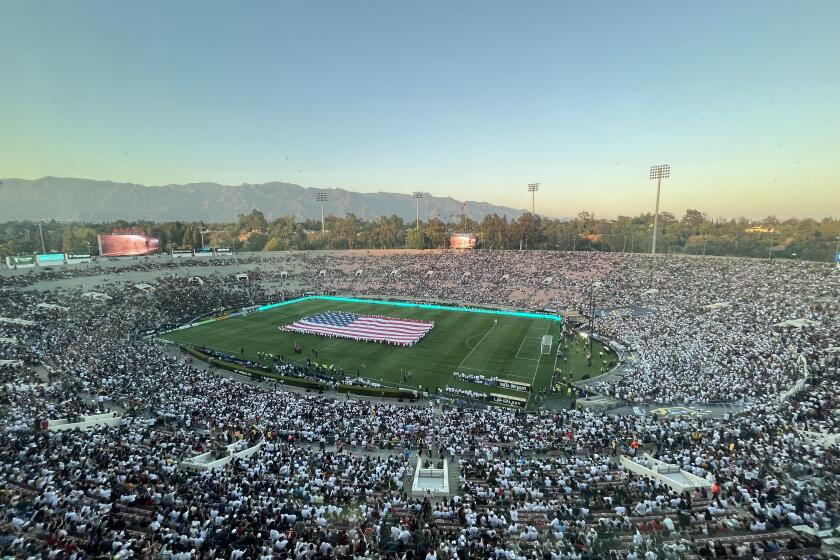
760, 229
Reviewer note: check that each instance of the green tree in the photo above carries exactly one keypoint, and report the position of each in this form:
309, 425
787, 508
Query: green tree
416, 239
253, 221
255, 242
391, 232
494, 231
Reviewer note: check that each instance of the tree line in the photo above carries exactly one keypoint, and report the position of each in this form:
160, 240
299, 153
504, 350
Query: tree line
692, 233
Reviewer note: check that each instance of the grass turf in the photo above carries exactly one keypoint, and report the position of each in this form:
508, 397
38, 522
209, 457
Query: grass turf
460, 341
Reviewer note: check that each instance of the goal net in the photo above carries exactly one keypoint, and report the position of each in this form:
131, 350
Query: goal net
545, 347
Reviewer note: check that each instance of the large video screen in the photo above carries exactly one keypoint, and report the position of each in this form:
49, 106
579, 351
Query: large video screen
122, 245
462, 241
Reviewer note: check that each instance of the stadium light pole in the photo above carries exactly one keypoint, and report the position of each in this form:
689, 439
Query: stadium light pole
837, 252
322, 197
41, 231
658, 172
533, 188
202, 231
417, 196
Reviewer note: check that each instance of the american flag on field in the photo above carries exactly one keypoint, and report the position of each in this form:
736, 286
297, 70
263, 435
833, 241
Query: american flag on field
376, 328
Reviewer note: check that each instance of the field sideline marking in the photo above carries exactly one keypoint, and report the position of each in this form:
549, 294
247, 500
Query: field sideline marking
477, 345
518, 357
556, 356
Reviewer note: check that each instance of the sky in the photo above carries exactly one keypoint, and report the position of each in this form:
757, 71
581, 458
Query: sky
472, 100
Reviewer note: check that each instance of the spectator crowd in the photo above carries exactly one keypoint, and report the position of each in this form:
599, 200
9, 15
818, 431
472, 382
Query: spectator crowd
332, 474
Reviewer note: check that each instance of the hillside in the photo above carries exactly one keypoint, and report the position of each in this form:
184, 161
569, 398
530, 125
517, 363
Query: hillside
71, 199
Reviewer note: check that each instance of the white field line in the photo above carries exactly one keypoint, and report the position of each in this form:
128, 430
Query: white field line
477, 345
518, 357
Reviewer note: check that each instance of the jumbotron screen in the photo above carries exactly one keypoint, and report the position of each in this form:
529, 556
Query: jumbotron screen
462, 241
127, 244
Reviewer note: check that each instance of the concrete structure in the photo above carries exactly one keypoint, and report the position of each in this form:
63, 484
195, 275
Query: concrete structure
206, 461
97, 296
670, 474
11, 362
800, 323
52, 306
86, 423
15, 321
430, 479
21, 387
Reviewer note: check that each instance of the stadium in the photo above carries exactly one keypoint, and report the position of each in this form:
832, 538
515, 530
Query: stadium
180, 386
351, 280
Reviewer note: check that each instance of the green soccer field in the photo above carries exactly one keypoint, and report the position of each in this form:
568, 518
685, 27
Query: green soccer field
508, 347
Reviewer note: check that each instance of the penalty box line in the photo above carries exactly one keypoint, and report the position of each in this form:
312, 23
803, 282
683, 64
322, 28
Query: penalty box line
476, 346
521, 344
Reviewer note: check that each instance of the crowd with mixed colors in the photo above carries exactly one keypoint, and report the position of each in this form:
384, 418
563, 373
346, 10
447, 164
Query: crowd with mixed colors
331, 477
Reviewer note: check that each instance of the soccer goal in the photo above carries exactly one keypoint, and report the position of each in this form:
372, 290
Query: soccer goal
545, 347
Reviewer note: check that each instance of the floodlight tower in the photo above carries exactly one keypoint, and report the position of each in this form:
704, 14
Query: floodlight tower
533, 188
658, 172
322, 198
417, 196
202, 231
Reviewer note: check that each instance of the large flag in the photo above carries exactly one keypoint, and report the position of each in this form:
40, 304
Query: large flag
362, 327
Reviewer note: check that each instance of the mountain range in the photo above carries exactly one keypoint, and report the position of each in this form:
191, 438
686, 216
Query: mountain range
71, 199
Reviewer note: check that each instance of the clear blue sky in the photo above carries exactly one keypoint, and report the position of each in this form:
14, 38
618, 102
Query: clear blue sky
468, 99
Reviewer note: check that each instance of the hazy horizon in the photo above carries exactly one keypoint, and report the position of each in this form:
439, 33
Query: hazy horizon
472, 100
